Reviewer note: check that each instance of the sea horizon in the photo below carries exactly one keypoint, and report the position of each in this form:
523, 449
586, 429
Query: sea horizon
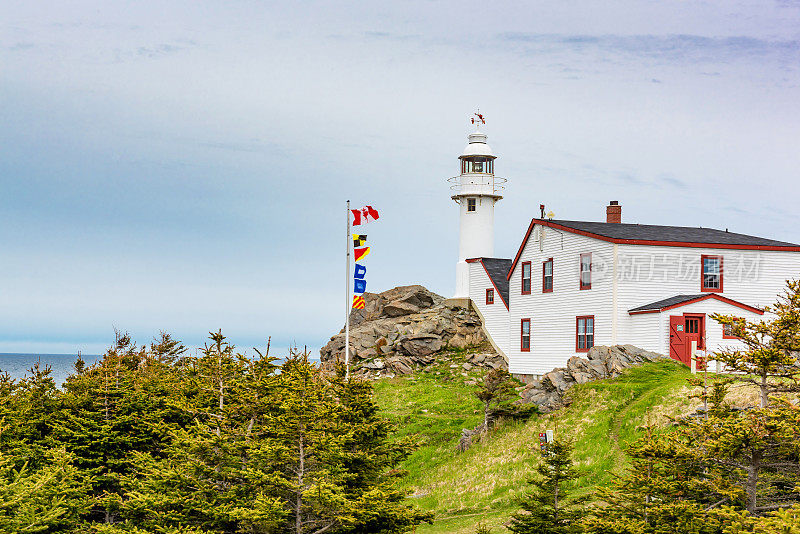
19, 364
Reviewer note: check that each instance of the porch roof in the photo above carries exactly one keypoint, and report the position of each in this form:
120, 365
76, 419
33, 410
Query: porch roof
677, 301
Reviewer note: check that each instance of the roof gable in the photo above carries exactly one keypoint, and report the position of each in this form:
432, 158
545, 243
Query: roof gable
496, 269
682, 300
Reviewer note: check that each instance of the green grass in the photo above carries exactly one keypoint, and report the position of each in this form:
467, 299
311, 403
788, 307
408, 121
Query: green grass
481, 484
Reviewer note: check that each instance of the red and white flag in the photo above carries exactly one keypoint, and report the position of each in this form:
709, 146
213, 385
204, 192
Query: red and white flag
364, 215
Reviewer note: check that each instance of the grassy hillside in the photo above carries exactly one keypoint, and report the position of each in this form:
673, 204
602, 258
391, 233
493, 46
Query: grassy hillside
480, 485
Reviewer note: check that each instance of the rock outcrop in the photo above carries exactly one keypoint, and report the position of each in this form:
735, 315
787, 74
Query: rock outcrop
400, 330
601, 362
409, 328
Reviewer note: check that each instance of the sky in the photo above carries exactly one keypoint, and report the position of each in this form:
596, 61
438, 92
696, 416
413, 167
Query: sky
183, 166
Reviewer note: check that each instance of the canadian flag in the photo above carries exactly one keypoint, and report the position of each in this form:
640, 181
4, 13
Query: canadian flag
364, 215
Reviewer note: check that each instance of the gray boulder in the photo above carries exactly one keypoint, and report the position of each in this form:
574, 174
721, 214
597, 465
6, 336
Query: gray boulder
408, 321
421, 345
601, 362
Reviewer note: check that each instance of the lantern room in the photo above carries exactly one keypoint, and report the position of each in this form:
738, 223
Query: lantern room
477, 157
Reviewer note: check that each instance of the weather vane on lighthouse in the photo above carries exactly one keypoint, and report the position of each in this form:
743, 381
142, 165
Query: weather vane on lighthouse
477, 119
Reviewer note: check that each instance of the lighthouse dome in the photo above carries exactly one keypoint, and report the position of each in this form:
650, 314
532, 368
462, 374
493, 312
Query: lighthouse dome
477, 146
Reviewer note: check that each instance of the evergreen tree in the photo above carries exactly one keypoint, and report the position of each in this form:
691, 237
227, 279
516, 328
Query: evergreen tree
770, 359
755, 455
371, 459
47, 499
498, 392
155, 440
28, 412
666, 488
219, 473
714, 475
118, 406
549, 508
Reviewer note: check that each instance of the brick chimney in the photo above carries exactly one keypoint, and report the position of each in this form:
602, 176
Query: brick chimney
614, 212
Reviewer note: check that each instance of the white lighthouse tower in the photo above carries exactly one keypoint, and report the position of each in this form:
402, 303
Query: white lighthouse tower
475, 190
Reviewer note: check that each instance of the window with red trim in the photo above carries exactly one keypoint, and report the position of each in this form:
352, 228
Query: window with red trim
525, 336
490, 296
584, 333
526, 278
547, 276
727, 330
711, 273
586, 271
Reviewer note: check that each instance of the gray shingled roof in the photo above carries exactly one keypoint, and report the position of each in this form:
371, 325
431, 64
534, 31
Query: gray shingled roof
497, 268
686, 234
665, 303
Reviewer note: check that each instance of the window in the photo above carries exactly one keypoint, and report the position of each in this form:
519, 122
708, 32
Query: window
727, 330
586, 271
584, 335
490, 296
547, 276
711, 276
525, 336
526, 278
471, 204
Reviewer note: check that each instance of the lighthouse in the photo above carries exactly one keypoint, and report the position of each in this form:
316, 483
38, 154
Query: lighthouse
476, 190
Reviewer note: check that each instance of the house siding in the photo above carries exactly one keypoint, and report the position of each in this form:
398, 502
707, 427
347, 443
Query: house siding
553, 314
623, 277
650, 273
495, 316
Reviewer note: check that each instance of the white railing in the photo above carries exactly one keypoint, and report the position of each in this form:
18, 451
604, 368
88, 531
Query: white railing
477, 183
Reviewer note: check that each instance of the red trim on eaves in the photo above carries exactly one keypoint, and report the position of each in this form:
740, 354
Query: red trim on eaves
704, 297
522, 246
640, 242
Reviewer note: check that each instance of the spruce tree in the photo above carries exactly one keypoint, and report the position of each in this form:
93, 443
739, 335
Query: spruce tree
755, 455
550, 507
770, 358
47, 499
498, 392
118, 406
218, 473
371, 458
666, 486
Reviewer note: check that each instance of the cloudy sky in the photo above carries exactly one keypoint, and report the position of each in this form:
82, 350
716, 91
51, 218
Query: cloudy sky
183, 166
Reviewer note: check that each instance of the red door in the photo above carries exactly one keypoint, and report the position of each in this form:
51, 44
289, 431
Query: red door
693, 331
677, 339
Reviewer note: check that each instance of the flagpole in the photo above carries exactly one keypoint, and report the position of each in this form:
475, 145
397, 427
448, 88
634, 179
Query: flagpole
348, 304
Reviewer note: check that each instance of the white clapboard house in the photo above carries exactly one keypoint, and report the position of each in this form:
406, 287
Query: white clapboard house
576, 284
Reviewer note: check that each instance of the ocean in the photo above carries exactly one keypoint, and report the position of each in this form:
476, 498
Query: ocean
61, 365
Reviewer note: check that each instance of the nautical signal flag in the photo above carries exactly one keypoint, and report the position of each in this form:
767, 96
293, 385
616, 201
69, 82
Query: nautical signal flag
359, 286
360, 271
359, 240
358, 302
364, 215
359, 253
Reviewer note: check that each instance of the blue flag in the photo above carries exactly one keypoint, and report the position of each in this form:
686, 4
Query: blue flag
360, 286
361, 271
